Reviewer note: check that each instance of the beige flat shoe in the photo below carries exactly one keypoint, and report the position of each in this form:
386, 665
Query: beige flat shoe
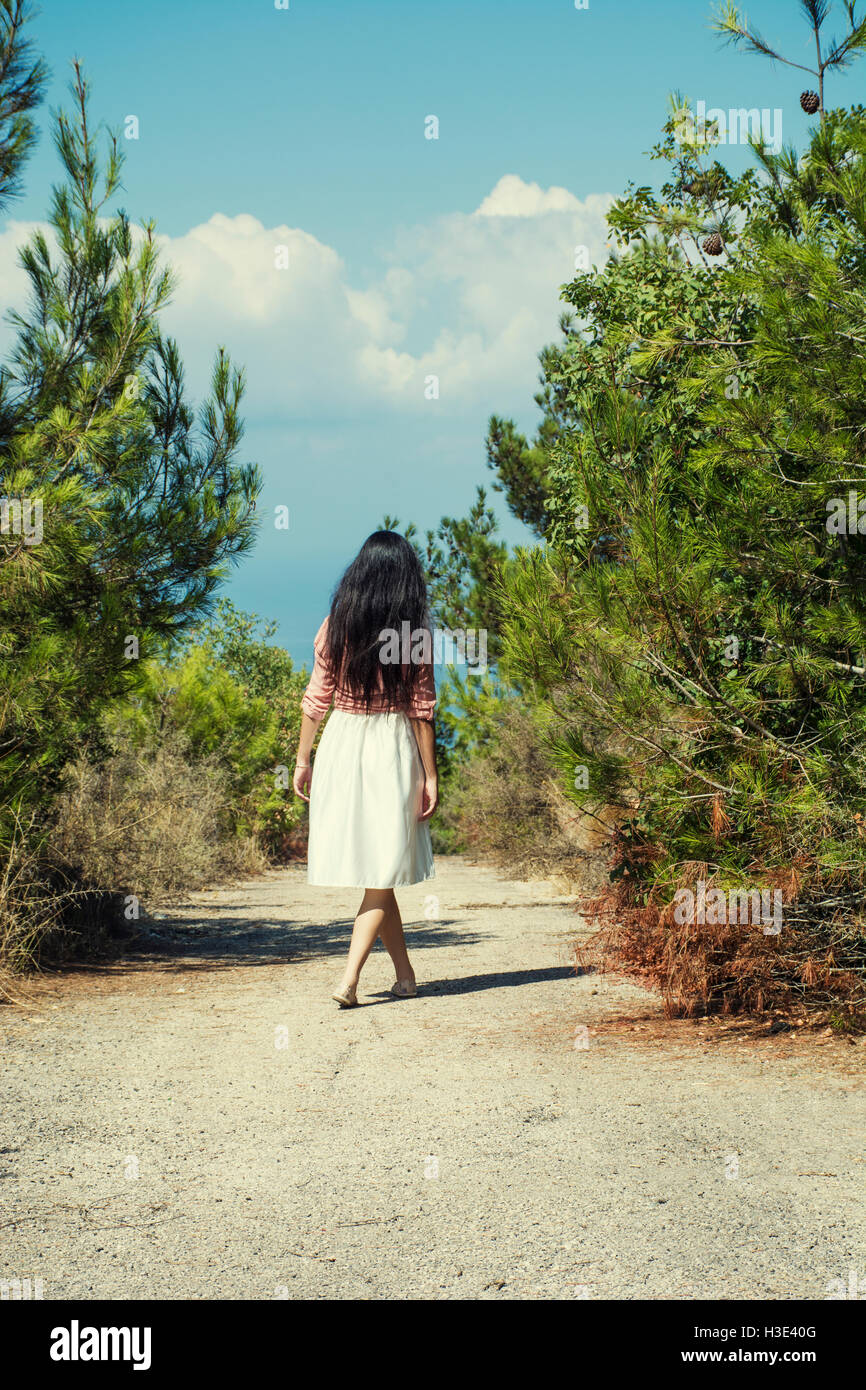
404, 989
347, 998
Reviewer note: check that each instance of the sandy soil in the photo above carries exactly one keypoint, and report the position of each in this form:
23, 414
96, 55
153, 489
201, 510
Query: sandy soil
200, 1120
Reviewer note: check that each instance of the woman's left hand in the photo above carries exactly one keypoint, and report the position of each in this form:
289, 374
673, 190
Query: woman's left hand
302, 780
431, 798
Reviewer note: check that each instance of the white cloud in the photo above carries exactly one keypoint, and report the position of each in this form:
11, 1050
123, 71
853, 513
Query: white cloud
471, 297
513, 198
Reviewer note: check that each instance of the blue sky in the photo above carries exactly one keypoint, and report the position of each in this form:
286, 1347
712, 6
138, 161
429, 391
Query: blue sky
407, 257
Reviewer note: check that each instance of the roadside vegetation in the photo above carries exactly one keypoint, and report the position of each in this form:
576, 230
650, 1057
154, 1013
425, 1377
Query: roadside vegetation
684, 649
675, 705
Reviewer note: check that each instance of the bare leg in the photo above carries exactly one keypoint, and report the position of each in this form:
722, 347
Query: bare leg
373, 912
391, 932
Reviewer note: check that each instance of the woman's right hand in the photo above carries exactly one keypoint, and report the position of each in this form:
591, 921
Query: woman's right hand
431, 798
302, 780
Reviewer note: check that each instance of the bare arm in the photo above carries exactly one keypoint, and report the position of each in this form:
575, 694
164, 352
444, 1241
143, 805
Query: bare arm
425, 737
303, 767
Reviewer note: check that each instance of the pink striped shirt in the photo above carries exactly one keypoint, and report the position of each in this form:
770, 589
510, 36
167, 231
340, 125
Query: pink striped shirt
323, 688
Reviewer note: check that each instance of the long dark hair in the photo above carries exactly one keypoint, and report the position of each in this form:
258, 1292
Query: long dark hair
383, 588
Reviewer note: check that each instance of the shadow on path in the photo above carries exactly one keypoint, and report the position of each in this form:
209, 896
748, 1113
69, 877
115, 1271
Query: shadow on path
511, 979
175, 944
471, 984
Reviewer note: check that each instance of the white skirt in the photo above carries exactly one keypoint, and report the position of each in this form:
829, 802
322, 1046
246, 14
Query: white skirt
365, 798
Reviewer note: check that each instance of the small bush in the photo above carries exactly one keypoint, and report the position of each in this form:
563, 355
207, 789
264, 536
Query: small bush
151, 823
505, 804
815, 967
32, 906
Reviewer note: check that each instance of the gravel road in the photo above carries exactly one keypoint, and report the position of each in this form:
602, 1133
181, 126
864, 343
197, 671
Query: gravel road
200, 1121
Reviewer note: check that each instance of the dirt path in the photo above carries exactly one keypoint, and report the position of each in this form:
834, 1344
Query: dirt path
202, 1121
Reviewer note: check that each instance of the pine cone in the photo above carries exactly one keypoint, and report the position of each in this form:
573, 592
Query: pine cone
702, 186
810, 101
713, 244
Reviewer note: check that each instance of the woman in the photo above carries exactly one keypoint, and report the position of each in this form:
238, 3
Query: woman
375, 786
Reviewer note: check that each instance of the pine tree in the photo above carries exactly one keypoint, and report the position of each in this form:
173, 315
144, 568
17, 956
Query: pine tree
696, 627
22, 81
834, 56
141, 512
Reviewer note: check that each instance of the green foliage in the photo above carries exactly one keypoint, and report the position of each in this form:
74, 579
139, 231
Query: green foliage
692, 632
184, 786
837, 55
141, 512
121, 514
522, 469
228, 697
703, 636
468, 714
241, 643
22, 81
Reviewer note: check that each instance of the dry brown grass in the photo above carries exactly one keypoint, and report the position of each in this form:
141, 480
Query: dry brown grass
150, 826
814, 970
509, 810
132, 827
33, 904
